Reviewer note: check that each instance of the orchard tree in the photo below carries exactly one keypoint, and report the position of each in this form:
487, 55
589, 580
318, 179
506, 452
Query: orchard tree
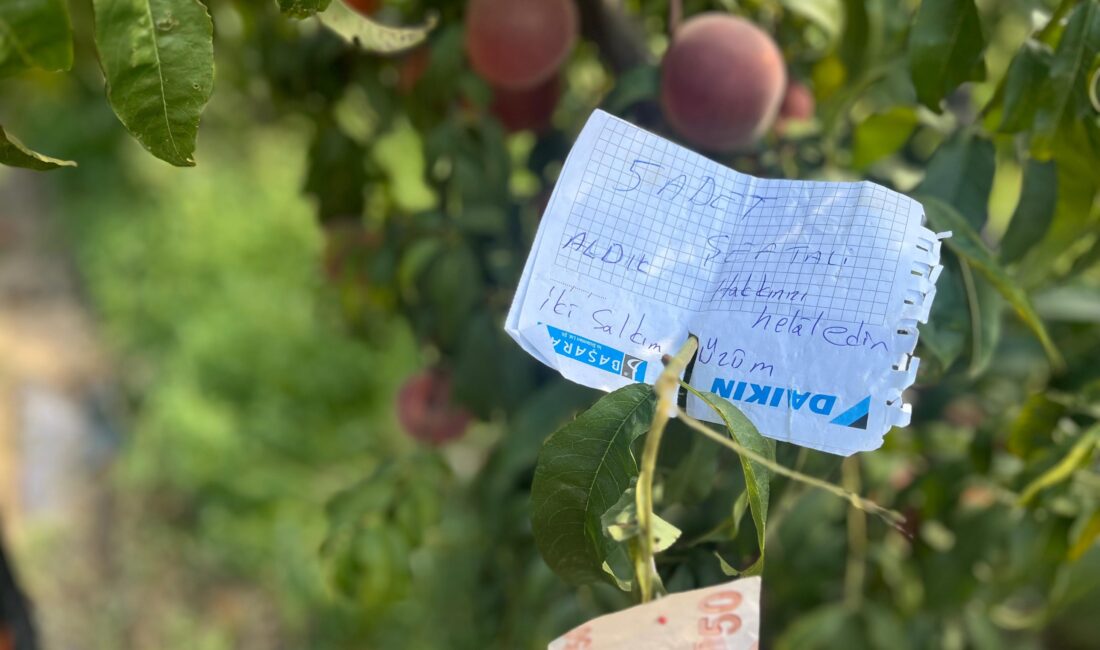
439, 128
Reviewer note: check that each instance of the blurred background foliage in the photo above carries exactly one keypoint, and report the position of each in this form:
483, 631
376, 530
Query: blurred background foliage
354, 219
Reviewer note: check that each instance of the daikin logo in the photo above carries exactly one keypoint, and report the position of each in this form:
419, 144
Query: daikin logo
821, 404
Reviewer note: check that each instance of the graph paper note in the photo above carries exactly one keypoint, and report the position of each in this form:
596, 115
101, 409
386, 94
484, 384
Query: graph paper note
805, 296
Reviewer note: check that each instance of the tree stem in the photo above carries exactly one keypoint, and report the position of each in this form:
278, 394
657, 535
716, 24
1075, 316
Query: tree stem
667, 388
856, 567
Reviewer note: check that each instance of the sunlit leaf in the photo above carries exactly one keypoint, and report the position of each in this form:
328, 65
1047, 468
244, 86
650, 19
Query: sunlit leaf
158, 58
1064, 96
968, 245
826, 14
945, 48
1077, 456
35, 34
303, 8
371, 35
1089, 533
882, 134
582, 471
1034, 212
620, 523
14, 154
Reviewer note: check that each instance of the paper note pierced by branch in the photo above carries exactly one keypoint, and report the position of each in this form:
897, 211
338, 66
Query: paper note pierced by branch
724, 617
805, 295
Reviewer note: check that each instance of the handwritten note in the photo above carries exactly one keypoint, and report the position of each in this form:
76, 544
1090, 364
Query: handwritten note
723, 617
805, 295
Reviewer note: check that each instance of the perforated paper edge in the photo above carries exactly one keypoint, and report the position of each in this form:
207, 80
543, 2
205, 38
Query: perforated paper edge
919, 296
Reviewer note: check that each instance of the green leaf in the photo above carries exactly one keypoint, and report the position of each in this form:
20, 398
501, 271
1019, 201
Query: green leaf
14, 154
372, 36
1064, 96
757, 477
620, 523
158, 57
638, 84
1083, 541
1034, 424
692, 478
303, 8
1027, 72
961, 173
826, 14
985, 306
453, 287
944, 335
1034, 211
336, 175
945, 48
882, 134
1077, 456
968, 245
35, 34
582, 471
861, 40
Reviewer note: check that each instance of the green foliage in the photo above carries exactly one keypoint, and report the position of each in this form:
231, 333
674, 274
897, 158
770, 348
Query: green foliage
303, 8
1034, 211
15, 154
583, 470
1063, 97
158, 58
257, 386
945, 48
969, 246
757, 477
365, 33
961, 175
35, 34
376, 524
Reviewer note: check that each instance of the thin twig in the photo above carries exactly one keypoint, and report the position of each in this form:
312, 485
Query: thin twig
855, 569
891, 517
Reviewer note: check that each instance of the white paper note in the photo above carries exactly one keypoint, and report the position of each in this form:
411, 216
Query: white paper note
805, 295
723, 617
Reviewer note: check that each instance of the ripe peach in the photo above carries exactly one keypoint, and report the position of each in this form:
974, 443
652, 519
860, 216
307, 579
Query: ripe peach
528, 109
722, 81
798, 104
425, 409
365, 7
518, 44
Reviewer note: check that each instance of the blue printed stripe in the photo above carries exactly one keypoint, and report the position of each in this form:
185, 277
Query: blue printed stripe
847, 418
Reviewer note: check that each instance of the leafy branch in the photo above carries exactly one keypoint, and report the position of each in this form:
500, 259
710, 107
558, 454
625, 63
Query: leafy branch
667, 388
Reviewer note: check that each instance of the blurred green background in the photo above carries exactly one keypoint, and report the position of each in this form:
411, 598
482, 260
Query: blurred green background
229, 342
